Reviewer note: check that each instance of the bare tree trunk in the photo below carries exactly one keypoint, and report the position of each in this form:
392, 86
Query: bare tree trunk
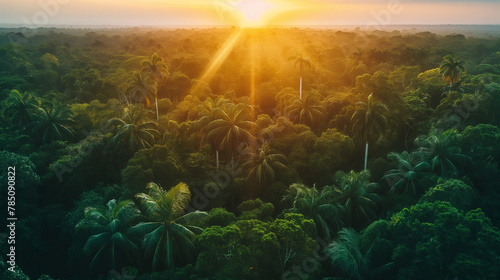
217, 158
366, 154
300, 90
157, 116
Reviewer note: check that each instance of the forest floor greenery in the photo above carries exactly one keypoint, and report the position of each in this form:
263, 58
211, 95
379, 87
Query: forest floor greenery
159, 154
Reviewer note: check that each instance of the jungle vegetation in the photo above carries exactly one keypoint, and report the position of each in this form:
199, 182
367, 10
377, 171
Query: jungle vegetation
298, 154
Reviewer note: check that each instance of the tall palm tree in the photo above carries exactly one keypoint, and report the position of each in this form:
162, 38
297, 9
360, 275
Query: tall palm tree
109, 243
263, 164
134, 130
158, 71
317, 205
356, 195
53, 123
168, 233
369, 120
347, 254
451, 70
302, 63
141, 88
20, 107
443, 152
306, 111
230, 128
405, 176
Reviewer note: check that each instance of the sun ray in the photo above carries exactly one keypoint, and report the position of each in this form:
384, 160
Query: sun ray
217, 61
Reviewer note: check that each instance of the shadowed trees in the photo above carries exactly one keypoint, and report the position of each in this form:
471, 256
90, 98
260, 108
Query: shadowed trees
317, 205
356, 194
53, 122
409, 168
109, 246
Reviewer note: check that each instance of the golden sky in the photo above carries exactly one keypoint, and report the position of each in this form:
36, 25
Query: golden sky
247, 12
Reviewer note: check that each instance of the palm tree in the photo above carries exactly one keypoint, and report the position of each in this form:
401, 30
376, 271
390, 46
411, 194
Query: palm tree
263, 163
317, 205
346, 253
302, 62
442, 151
306, 111
230, 128
369, 120
20, 107
53, 123
158, 71
168, 233
108, 242
405, 176
451, 70
134, 129
356, 194
141, 88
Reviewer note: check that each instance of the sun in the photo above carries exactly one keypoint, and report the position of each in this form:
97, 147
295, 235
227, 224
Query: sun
254, 13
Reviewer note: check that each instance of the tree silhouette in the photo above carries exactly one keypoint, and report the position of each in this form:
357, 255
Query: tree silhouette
264, 164
108, 243
141, 88
451, 70
230, 127
168, 233
356, 195
369, 120
158, 71
306, 111
301, 62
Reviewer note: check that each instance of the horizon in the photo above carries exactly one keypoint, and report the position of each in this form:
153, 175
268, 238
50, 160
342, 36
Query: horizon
249, 13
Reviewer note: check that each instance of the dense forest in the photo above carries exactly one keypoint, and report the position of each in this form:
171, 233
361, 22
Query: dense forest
227, 153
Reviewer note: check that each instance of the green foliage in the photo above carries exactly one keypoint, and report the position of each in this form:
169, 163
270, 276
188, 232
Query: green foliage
443, 153
134, 131
158, 163
255, 249
435, 241
52, 123
320, 206
20, 107
18, 274
357, 196
167, 235
351, 259
108, 244
255, 210
456, 192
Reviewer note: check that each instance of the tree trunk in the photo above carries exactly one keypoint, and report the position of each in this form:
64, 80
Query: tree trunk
300, 90
366, 154
217, 158
157, 116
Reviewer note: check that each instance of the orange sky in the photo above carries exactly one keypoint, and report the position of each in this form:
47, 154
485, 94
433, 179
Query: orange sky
36, 13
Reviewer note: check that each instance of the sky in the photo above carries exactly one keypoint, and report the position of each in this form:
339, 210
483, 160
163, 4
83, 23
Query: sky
40, 13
